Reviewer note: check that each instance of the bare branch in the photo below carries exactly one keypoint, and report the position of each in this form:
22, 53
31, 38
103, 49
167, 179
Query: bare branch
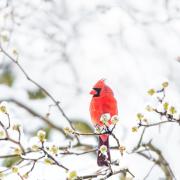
36, 114
160, 161
40, 87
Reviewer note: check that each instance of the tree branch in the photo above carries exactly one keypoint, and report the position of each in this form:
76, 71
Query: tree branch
40, 87
36, 114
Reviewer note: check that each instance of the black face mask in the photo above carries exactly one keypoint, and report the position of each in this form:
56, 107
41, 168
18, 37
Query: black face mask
98, 90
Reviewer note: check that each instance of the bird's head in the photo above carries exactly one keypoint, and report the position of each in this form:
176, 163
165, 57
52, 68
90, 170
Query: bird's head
100, 88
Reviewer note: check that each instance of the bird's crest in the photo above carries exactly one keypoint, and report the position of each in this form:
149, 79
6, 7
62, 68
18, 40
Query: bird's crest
100, 83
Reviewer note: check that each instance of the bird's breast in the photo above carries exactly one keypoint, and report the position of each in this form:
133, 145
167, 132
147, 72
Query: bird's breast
99, 106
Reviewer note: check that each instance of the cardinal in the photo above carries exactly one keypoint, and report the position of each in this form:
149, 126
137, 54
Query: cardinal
103, 103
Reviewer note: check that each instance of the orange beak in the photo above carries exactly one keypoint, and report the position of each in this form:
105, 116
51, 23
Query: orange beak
93, 92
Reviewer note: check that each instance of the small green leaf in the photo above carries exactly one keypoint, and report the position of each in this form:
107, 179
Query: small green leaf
140, 116
166, 105
149, 108
172, 110
72, 175
9, 162
46, 129
134, 129
151, 92
36, 94
7, 77
122, 177
165, 84
82, 126
103, 149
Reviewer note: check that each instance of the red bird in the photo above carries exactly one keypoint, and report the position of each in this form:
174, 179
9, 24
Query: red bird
102, 102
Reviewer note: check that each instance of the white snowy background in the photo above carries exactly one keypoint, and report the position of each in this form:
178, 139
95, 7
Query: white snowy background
67, 45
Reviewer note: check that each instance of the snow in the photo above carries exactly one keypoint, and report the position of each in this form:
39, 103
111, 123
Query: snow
129, 43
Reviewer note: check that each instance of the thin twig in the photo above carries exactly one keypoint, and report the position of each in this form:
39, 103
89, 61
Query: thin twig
57, 103
36, 114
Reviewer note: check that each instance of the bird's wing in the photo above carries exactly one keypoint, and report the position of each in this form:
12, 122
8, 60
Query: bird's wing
109, 105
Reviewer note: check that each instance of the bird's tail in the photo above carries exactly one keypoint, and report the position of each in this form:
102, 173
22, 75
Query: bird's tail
103, 158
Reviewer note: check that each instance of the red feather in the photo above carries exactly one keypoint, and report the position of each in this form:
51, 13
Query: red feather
105, 103
102, 103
